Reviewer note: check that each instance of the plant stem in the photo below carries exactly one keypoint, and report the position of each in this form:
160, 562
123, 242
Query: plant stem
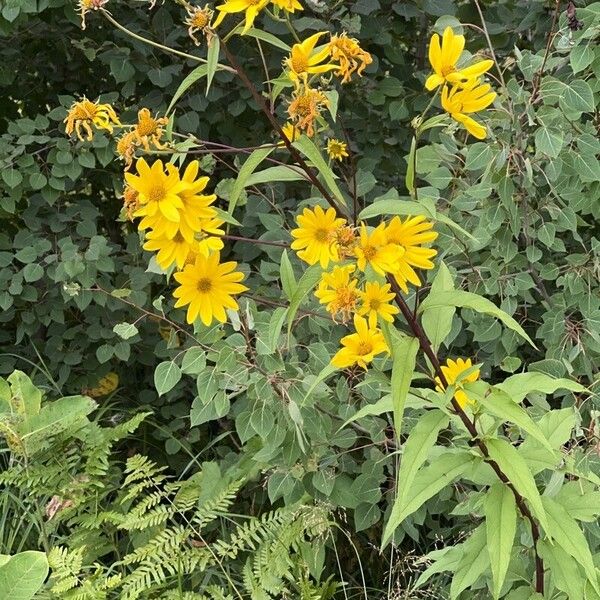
427, 349
260, 101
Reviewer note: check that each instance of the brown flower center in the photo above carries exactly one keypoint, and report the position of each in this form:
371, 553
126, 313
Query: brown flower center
157, 193
321, 235
204, 285
369, 252
375, 303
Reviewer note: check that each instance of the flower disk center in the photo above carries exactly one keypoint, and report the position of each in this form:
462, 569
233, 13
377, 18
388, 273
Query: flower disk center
321, 235
157, 193
204, 285
364, 348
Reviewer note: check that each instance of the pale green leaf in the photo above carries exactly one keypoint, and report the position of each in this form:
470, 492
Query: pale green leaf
437, 322
246, 170
501, 525
474, 561
404, 357
22, 576
212, 60
519, 385
462, 299
166, 376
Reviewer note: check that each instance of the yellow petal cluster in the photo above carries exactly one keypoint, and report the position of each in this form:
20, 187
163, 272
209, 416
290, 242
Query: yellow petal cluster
336, 149
361, 347
452, 370
463, 93
85, 116
146, 133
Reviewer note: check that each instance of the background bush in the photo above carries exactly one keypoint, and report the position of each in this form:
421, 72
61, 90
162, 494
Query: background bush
529, 198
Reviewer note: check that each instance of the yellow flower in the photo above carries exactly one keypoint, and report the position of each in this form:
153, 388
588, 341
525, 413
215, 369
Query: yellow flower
175, 250
210, 232
345, 241
304, 61
361, 347
443, 60
289, 5
158, 191
291, 133
250, 7
148, 130
350, 56
198, 20
337, 290
86, 115
336, 149
376, 302
207, 287
460, 102
305, 108
126, 148
410, 234
196, 205
452, 371
313, 242
375, 250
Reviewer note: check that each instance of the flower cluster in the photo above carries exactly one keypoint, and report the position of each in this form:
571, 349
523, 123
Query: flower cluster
394, 249
183, 229
147, 133
463, 93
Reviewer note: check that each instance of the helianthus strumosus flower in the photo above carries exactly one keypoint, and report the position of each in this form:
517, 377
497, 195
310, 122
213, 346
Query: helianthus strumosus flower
86, 115
198, 19
148, 130
305, 108
345, 241
452, 371
209, 237
360, 348
376, 303
314, 236
131, 201
336, 149
304, 61
250, 7
207, 287
126, 148
85, 6
443, 59
158, 190
410, 234
170, 250
459, 102
350, 56
375, 250
288, 5
337, 291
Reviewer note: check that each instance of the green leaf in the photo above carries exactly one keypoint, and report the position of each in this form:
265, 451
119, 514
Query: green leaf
247, 169
286, 273
581, 57
12, 177
475, 302
212, 60
577, 97
269, 38
55, 417
404, 357
194, 361
437, 322
501, 525
519, 385
474, 561
563, 570
426, 483
515, 468
125, 330
500, 404
568, 535
588, 167
23, 575
278, 173
195, 75
409, 180
166, 376
275, 326
308, 148
322, 376
549, 141
307, 282
26, 397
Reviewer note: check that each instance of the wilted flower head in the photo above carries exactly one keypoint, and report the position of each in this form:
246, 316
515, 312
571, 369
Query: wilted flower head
87, 115
350, 56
